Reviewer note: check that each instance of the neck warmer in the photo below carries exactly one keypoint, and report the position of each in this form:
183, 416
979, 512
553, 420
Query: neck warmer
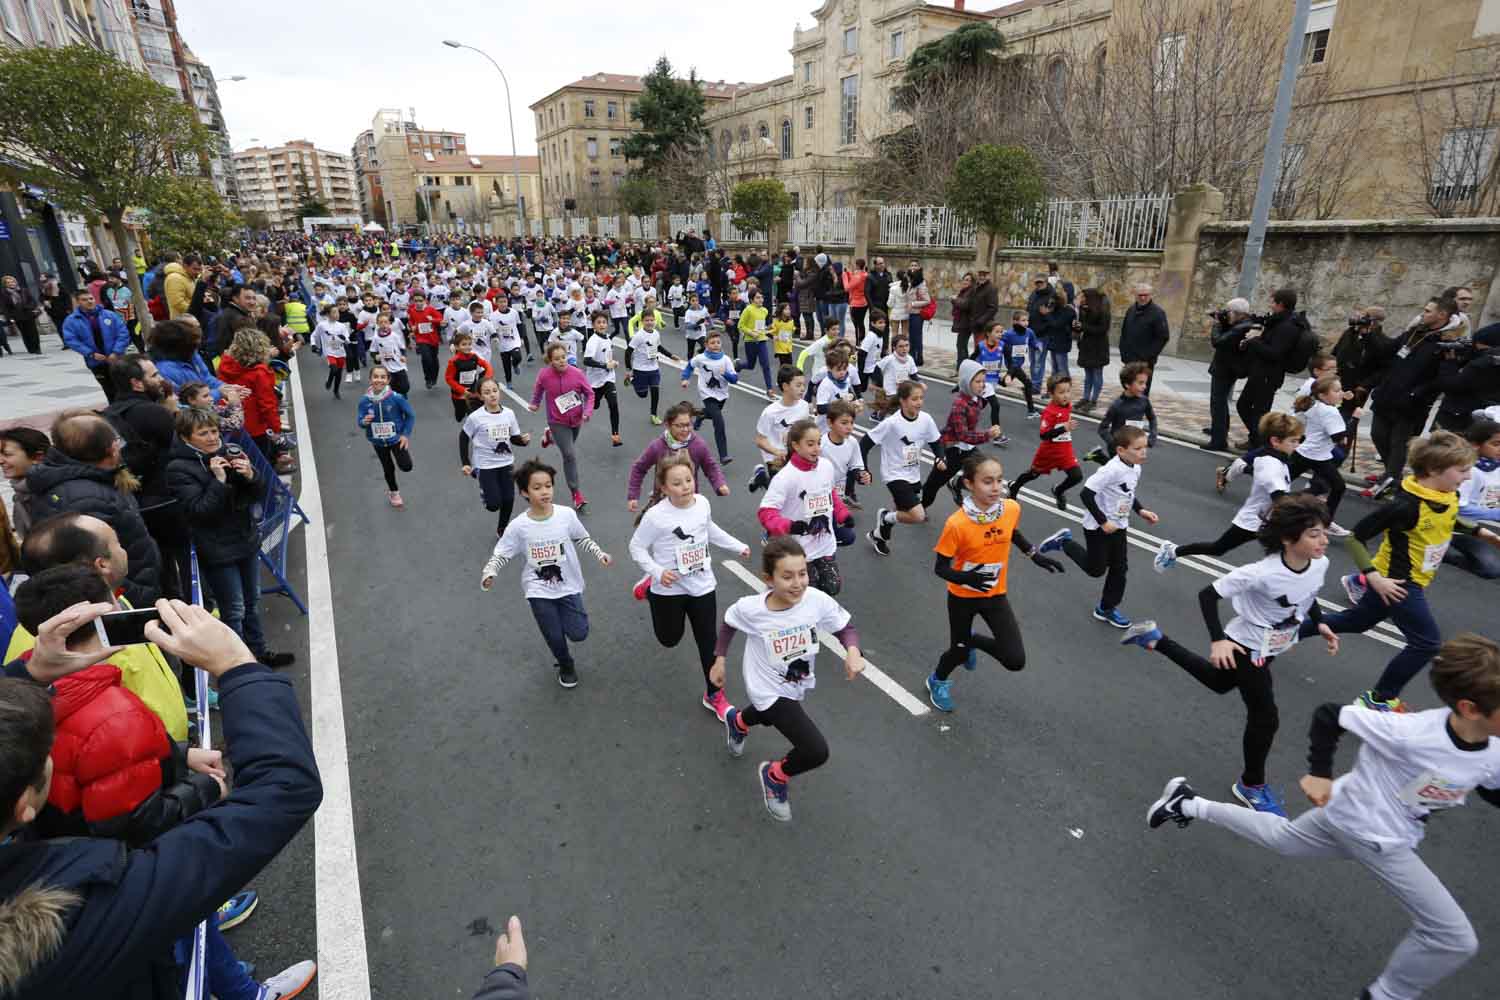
379, 397
979, 516
672, 443
1488, 464
714, 355
802, 463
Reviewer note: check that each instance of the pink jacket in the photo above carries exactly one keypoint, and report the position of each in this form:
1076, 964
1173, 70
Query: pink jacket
775, 524
698, 451
550, 385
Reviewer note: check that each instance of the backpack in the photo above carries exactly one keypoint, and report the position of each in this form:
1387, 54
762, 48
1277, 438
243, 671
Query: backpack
1302, 351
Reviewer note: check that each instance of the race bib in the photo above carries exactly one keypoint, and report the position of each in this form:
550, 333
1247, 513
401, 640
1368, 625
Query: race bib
1432, 556
1432, 791
1123, 507
468, 377
992, 366
567, 401
990, 571
541, 554
1277, 639
495, 432
910, 454
1490, 499
383, 428
819, 505
649, 353
795, 642
1142, 424
424, 327
1018, 352
1064, 437
390, 359
692, 557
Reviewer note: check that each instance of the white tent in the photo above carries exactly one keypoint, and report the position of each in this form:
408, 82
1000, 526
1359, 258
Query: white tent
372, 227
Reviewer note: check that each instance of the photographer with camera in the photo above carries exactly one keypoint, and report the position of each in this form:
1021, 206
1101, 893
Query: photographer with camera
1227, 367
1273, 346
1427, 348
215, 488
1363, 353
1475, 386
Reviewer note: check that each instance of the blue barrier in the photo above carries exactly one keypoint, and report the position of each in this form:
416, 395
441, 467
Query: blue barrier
197, 972
275, 511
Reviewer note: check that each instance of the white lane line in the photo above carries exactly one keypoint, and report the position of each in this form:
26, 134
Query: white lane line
525, 403
874, 674
343, 965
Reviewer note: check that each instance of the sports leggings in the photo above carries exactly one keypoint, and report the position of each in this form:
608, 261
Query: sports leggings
498, 488
1017, 372
1003, 642
1256, 691
1234, 536
809, 748
392, 456
511, 361
1074, 476
607, 393
672, 613
1104, 556
713, 409
1326, 478
565, 438
953, 463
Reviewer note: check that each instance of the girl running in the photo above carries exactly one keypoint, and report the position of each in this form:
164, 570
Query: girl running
549, 538
1321, 451
569, 399
670, 545
484, 451
774, 421
803, 500
973, 556
694, 324
781, 629
901, 437
387, 419
390, 347
716, 373
599, 367
677, 436
782, 328
754, 334
1055, 452
332, 338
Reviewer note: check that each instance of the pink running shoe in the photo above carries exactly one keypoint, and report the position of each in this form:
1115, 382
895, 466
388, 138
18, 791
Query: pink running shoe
640, 589
547, 438
396, 500
579, 501
718, 704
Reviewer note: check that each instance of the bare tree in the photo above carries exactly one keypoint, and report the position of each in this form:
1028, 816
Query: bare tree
1451, 145
1329, 140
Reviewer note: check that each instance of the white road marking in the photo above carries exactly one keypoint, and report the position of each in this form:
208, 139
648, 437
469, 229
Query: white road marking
874, 674
343, 965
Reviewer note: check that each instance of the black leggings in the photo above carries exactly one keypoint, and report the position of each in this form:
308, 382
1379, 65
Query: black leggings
335, 376
1325, 476
1017, 372
498, 489
953, 462
1003, 642
672, 613
1074, 476
809, 748
511, 361
1105, 556
392, 456
606, 392
1234, 536
857, 317
1256, 690
713, 409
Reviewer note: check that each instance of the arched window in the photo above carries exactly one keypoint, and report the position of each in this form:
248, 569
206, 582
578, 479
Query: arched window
763, 130
1057, 83
725, 140
786, 138
744, 133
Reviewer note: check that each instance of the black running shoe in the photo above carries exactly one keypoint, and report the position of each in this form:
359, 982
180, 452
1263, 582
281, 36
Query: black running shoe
567, 675
1169, 806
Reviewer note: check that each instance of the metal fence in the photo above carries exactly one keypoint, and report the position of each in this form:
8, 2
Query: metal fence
608, 225
536, 228
919, 226
1128, 222
643, 228
733, 234
578, 226
682, 222
555, 226
811, 226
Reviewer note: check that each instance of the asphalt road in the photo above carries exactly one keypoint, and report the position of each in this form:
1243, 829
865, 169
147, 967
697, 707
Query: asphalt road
999, 851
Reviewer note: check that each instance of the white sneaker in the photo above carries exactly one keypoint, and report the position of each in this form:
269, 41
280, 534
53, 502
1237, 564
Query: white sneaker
1166, 557
1336, 530
288, 982
348, 377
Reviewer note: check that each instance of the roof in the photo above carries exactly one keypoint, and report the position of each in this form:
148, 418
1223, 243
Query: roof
474, 164
1015, 8
624, 83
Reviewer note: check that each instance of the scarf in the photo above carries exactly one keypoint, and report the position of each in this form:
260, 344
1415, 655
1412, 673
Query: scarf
713, 355
378, 397
1488, 464
982, 516
672, 443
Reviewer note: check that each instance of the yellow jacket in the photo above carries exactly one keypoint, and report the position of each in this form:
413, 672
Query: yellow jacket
179, 290
754, 316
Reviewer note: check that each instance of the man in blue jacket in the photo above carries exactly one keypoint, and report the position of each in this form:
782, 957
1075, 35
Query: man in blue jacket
86, 917
100, 335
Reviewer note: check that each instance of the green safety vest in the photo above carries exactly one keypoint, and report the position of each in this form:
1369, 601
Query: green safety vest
296, 315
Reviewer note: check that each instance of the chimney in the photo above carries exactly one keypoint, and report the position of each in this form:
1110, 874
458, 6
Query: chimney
958, 5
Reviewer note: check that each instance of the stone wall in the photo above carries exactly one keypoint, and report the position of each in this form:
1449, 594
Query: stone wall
1113, 273
1398, 264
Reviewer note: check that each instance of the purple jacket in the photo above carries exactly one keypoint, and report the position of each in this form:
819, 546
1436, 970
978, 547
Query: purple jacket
552, 385
698, 451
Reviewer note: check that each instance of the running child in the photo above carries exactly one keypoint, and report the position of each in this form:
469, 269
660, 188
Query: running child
716, 373
782, 328
465, 369
677, 301
485, 443
1282, 433
1409, 768
895, 369
1132, 408
641, 358
901, 437
990, 353
973, 557
425, 324
1271, 598
480, 331
599, 368
389, 348
388, 420
569, 400
331, 338
548, 537
754, 328
1055, 452
507, 328
867, 360
775, 420
694, 324
803, 500
1109, 497
678, 435
670, 545
781, 627
961, 433
841, 447
1479, 502
838, 383
1322, 449
1018, 343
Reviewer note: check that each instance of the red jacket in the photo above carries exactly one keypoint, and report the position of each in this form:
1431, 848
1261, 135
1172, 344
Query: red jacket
263, 407
462, 363
415, 317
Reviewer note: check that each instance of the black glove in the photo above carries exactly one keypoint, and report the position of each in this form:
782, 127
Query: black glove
974, 579
797, 528
1047, 563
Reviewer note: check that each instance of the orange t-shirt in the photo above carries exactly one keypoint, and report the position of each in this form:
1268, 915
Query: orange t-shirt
985, 547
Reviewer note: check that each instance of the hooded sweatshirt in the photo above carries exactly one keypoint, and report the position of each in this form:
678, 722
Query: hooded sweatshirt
697, 449
962, 428
570, 398
263, 406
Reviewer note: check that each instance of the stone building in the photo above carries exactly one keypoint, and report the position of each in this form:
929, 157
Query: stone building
391, 138
276, 180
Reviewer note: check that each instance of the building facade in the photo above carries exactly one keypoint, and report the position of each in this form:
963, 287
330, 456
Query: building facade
278, 179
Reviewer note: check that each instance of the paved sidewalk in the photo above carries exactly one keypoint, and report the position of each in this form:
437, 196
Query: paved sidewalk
35, 388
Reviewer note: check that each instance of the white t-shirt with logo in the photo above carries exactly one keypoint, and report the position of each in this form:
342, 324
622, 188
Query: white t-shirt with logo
1270, 475
776, 419
1482, 490
1321, 423
645, 345
799, 495
781, 647
845, 457
507, 328
901, 442
1114, 491
712, 375
677, 538
1270, 602
389, 350
482, 332
489, 437
547, 549
894, 370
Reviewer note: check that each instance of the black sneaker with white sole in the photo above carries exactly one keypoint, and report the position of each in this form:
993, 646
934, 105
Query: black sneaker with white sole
567, 675
1169, 806
880, 544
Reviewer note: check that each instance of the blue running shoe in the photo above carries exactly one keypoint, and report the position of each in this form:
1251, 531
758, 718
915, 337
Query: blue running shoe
1354, 587
775, 794
732, 734
1143, 634
1259, 797
1367, 699
937, 693
1112, 616
1055, 541
971, 661
236, 910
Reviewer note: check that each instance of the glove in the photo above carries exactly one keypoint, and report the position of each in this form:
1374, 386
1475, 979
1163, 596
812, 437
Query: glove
1047, 563
797, 528
974, 579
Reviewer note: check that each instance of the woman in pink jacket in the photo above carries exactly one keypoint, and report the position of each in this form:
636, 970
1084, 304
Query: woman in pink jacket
859, 303
569, 400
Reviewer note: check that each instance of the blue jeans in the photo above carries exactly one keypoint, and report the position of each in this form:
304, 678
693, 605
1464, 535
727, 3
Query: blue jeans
1474, 555
1411, 615
914, 333
561, 619
226, 980
757, 352
236, 588
1059, 362
1038, 357
836, 313
1093, 383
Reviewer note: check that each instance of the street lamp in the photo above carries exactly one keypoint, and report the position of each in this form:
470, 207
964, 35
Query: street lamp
515, 165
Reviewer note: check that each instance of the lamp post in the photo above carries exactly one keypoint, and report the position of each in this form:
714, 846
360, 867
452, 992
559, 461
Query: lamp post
515, 164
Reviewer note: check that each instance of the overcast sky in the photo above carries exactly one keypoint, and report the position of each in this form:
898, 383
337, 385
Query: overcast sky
319, 70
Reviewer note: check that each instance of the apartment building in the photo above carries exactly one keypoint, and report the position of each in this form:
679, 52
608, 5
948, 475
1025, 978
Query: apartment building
276, 180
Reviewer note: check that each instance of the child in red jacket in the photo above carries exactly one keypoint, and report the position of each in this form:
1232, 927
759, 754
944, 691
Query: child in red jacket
424, 326
1055, 453
465, 371
246, 363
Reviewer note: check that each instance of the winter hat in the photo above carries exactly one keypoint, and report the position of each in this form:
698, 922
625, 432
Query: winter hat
967, 369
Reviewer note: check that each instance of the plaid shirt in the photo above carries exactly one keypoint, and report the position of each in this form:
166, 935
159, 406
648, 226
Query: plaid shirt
963, 421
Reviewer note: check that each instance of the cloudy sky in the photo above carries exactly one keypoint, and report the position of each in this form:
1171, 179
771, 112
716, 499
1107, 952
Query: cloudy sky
319, 70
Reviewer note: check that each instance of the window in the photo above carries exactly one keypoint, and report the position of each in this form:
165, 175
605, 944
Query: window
552, 115
1284, 196
848, 110
807, 71
1057, 83
841, 199
615, 144
893, 101
594, 181
562, 111
612, 110
1463, 162
565, 147
1168, 60
591, 146
786, 138
851, 41
763, 130
898, 45
796, 200
588, 107
807, 117
541, 125
617, 178
1319, 27
744, 134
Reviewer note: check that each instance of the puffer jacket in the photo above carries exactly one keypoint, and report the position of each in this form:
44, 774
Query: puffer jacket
219, 514
178, 290
194, 369
263, 407
59, 483
114, 772
78, 335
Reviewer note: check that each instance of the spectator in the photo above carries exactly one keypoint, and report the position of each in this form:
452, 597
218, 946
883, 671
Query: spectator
833, 303
1093, 345
84, 473
10, 565
1228, 366
238, 300
1059, 282
1267, 352
507, 981
1041, 292
174, 348
918, 299
1404, 396
878, 285
1476, 384
55, 302
984, 305
854, 291
93, 918
142, 415
245, 363
20, 449
100, 335
1143, 332
963, 323
216, 489
20, 308
807, 300
182, 281
1056, 332
1363, 353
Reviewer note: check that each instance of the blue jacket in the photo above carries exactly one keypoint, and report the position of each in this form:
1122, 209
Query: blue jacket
195, 369
393, 409
1013, 338
123, 909
78, 334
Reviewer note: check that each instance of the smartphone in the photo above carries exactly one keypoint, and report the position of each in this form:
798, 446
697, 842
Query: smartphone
124, 628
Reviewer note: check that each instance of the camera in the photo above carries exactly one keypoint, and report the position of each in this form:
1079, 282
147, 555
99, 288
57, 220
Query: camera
1221, 317
233, 451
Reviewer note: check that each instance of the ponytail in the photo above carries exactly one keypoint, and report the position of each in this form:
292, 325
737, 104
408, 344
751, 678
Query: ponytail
1304, 403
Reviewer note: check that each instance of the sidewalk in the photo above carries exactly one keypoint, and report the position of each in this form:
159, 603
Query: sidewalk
35, 388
